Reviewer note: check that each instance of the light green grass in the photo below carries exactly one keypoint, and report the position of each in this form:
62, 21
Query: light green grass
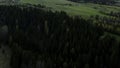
75, 8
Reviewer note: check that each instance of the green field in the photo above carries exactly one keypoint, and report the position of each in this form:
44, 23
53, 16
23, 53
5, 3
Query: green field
85, 9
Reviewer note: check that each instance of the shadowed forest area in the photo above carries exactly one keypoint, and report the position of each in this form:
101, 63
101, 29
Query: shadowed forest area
47, 39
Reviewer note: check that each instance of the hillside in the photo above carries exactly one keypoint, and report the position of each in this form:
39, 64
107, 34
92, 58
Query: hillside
33, 36
45, 39
72, 8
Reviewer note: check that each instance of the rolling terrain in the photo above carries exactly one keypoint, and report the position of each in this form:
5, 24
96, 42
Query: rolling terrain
72, 8
32, 37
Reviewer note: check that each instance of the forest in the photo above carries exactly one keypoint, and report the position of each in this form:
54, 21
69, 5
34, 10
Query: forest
58, 40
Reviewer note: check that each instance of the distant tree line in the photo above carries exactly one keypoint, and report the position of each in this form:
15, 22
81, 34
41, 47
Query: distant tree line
110, 24
57, 40
115, 14
107, 2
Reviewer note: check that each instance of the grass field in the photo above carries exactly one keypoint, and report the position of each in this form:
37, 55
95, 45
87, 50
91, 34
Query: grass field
84, 9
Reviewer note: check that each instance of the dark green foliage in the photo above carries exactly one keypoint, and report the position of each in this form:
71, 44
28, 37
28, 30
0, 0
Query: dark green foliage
60, 40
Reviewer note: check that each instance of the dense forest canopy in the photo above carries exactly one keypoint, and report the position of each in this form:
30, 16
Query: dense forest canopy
58, 40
